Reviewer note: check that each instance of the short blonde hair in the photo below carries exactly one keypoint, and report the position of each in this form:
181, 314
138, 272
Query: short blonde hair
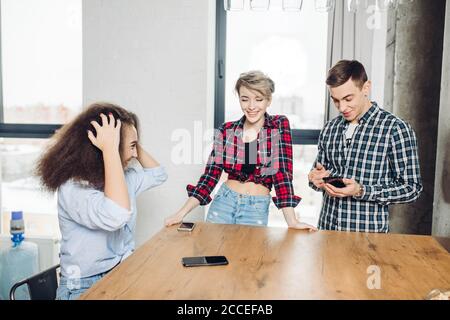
258, 81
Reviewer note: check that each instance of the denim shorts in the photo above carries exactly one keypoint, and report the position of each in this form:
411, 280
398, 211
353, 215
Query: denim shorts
230, 207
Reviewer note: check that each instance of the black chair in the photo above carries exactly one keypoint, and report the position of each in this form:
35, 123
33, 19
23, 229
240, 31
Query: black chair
41, 286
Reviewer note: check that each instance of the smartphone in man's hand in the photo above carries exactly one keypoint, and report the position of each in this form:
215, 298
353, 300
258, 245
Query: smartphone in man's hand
337, 182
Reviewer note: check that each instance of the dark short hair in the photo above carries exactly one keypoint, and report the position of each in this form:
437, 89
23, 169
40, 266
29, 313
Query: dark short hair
345, 70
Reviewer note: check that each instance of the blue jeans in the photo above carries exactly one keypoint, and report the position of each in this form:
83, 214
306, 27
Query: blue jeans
72, 289
230, 207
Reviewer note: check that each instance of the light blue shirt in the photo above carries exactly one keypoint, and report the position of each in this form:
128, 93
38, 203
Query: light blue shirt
96, 232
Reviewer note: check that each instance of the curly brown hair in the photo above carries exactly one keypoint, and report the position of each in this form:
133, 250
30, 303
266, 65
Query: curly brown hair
71, 155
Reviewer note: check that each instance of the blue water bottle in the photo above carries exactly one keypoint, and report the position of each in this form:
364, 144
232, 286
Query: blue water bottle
18, 261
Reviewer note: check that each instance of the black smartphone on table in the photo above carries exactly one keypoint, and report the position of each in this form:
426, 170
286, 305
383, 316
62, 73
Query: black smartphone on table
186, 226
337, 182
204, 261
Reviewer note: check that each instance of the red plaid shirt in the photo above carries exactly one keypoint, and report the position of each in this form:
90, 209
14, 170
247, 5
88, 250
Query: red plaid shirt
273, 167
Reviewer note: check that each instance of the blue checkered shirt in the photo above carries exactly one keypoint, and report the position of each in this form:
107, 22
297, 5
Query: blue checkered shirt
382, 156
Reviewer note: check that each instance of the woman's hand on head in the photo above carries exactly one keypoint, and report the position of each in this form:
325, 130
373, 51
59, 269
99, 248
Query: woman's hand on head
107, 136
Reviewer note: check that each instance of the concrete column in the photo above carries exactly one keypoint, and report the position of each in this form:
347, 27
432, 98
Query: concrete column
418, 45
441, 214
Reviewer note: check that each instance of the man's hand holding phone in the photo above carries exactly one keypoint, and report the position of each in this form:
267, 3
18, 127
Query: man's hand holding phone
336, 182
350, 188
317, 175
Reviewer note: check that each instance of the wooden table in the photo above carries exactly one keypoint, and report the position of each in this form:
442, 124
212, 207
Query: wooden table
276, 263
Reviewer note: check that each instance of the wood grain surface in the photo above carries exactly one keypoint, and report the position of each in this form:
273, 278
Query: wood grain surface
277, 263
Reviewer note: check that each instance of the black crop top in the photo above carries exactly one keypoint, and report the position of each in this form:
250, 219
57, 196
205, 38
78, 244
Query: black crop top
249, 165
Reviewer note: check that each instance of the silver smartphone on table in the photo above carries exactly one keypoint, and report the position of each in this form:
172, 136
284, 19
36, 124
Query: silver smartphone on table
186, 226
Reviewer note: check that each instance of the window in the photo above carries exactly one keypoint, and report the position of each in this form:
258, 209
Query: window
280, 44
20, 190
41, 60
41, 88
309, 207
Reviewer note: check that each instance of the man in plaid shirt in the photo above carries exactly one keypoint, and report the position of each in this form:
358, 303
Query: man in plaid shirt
373, 151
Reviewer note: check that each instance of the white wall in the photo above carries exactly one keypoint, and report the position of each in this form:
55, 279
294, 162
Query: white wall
156, 58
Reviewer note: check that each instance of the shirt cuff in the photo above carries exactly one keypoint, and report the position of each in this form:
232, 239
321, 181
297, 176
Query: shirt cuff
159, 170
199, 194
159, 174
119, 216
368, 194
288, 201
312, 186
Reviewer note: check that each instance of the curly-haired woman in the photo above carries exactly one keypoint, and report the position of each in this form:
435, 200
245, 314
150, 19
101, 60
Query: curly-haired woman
88, 165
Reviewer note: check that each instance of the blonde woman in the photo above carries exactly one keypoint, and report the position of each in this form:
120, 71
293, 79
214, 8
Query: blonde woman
256, 152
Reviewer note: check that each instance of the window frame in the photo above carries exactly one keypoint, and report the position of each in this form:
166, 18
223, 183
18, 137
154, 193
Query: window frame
299, 137
27, 131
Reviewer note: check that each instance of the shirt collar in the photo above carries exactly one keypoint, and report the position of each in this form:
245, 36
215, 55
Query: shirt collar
269, 122
367, 116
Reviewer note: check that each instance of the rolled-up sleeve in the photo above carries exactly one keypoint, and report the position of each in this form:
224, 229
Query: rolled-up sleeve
91, 208
212, 173
406, 185
142, 179
282, 180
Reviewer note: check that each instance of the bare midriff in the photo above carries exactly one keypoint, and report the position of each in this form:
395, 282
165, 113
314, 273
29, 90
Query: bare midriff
248, 188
